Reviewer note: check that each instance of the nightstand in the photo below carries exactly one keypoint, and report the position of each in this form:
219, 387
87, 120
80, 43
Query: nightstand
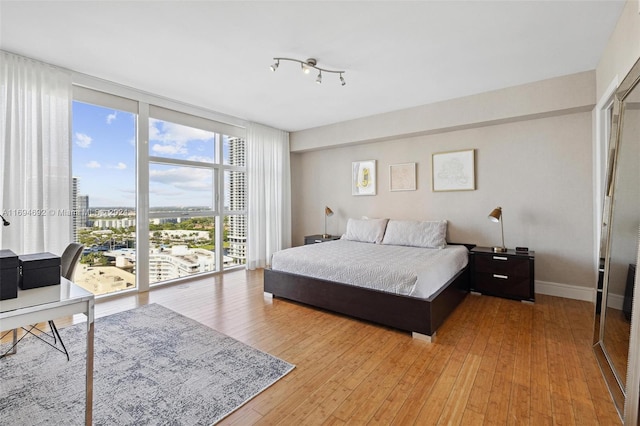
509, 274
313, 239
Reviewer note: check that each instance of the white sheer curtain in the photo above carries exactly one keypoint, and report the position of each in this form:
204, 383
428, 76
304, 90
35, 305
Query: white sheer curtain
269, 194
35, 183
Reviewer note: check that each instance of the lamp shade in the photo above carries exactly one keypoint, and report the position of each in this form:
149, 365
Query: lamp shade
328, 211
495, 214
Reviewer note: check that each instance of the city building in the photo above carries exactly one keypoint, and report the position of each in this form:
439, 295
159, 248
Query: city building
179, 261
114, 223
74, 205
82, 211
237, 223
79, 208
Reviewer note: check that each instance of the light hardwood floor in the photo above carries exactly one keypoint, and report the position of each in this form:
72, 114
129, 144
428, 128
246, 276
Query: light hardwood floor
495, 361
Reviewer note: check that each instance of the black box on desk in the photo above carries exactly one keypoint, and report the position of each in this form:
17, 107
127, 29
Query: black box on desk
9, 275
39, 270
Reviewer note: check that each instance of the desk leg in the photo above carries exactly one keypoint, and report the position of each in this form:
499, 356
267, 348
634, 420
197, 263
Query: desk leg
14, 350
88, 419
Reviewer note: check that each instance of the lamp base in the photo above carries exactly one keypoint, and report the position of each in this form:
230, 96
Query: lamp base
499, 249
326, 236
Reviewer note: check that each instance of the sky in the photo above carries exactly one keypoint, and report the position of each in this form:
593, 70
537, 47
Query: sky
104, 159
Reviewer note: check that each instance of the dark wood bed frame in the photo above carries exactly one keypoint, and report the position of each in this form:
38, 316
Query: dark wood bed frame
421, 317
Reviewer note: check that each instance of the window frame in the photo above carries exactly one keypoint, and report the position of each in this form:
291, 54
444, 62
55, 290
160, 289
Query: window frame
147, 106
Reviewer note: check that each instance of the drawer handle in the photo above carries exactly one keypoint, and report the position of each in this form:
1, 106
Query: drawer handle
317, 241
502, 277
500, 258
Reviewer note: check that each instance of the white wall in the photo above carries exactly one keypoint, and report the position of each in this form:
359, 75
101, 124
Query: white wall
572, 93
538, 171
623, 49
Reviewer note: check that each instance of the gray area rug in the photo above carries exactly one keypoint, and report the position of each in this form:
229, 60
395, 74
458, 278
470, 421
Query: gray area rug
152, 366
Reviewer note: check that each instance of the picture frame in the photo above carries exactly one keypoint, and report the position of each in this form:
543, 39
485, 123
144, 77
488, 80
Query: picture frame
453, 171
402, 177
363, 177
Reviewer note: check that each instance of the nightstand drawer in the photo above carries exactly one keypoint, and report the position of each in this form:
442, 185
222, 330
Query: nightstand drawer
503, 265
510, 274
503, 285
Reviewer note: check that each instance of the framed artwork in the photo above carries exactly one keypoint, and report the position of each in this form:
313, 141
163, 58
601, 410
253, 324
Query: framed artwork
363, 177
453, 171
402, 177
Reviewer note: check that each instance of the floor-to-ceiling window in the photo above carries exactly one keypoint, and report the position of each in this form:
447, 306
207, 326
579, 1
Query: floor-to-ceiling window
104, 192
182, 197
235, 210
183, 206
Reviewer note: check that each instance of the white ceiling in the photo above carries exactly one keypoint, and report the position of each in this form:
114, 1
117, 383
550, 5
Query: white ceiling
396, 54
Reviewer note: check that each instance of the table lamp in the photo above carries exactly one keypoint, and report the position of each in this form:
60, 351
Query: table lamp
327, 212
496, 216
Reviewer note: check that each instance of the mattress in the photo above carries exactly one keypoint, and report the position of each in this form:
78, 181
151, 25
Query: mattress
409, 271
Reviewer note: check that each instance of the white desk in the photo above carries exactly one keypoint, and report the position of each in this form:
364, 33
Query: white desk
33, 306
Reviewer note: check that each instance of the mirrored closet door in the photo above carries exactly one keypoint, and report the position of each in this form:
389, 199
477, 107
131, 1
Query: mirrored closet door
616, 337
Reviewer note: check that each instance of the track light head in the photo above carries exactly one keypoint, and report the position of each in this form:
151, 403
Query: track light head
275, 66
306, 66
342, 82
319, 79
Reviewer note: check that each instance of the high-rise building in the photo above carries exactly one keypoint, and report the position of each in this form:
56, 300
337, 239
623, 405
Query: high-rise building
82, 212
79, 208
237, 224
74, 207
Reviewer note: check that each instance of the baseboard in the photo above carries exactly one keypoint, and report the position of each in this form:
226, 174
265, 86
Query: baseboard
615, 301
566, 290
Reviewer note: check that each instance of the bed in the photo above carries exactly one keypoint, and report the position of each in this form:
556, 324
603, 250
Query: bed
401, 274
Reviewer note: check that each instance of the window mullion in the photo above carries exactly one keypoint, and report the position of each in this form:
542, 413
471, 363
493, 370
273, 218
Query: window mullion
142, 216
219, 197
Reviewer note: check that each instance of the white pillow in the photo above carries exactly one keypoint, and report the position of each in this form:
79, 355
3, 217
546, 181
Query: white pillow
416, 234
366, 231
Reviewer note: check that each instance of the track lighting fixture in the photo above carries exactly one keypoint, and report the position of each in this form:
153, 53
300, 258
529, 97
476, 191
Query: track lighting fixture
307, 66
